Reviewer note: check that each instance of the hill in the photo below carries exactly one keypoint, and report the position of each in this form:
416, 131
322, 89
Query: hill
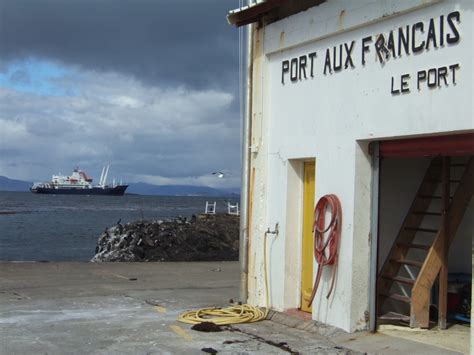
142, 188
7, 184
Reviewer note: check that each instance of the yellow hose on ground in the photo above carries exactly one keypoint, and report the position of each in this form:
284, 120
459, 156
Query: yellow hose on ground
235, 314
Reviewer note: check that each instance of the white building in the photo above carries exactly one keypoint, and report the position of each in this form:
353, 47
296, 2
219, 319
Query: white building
359, 99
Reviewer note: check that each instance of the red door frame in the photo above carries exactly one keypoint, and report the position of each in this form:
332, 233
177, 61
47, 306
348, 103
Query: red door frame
447, 145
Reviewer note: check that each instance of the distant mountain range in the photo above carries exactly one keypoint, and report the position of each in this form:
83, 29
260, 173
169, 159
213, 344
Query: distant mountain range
139, 188
142, 188
7, 184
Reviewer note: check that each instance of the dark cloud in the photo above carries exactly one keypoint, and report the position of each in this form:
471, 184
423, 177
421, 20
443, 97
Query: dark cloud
169, 42
150, 86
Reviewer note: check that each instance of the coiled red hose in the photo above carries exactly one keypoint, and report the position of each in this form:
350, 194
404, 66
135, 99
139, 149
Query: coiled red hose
326, 251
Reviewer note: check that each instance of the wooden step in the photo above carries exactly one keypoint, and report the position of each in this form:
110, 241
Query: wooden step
394, 316
453, 181
432, 197
401, 279
440, 163
427, 213
426, 230
396, 296
415, 246
408, 262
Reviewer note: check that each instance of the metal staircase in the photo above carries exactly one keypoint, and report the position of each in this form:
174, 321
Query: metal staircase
419, 252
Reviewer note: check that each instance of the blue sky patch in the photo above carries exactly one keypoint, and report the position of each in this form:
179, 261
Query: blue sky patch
36, 77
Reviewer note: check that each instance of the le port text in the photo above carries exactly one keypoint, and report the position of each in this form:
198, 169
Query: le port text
431, 78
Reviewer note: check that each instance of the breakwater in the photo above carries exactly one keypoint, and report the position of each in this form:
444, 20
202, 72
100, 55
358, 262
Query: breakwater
199, 238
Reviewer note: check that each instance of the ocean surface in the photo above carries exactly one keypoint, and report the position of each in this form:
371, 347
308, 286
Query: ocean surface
66, 228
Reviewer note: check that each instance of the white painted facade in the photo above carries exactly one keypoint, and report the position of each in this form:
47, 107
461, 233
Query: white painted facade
332, 118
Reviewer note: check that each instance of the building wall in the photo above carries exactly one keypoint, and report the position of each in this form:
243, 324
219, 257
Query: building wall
331, 118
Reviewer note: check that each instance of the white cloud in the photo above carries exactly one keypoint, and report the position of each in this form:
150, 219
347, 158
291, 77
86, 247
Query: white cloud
12, 133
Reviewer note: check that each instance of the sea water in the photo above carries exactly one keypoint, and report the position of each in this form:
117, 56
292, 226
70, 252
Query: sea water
35, 227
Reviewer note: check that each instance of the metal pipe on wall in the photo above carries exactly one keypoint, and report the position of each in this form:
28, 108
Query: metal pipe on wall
244, 195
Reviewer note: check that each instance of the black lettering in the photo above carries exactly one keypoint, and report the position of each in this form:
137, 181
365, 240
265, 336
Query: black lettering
394, 92
327, 62
303, 66
294, 73
337, 67
311, 57
349, 55
453, 68
404, 83
365, 47
454, 38
404, 40
416, 48
285, 67
380, 48
431, 38
391, 44
432, 78
441, 30
421, 76
442, 73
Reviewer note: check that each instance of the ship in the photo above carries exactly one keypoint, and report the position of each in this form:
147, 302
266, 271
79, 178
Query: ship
79, 183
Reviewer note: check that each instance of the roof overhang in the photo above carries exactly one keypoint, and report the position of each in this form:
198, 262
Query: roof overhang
273, 9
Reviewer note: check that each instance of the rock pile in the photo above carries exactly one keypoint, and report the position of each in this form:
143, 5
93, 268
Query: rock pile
202, 238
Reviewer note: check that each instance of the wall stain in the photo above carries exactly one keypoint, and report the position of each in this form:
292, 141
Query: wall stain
342, 15
282, 39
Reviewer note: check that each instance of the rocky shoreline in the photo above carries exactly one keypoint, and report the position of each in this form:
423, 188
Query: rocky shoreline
199, 238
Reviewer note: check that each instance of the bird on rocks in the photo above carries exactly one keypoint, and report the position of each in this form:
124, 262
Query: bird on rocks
119, 226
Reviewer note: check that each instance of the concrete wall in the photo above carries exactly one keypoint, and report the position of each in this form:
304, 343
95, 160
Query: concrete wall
331, 118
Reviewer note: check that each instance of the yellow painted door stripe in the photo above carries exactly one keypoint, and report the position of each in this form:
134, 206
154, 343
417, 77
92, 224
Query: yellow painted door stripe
307, 238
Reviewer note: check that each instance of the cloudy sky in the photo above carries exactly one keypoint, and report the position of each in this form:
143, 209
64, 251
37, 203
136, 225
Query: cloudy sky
149, 86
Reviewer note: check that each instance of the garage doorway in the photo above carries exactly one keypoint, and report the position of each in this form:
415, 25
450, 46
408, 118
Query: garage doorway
425, 223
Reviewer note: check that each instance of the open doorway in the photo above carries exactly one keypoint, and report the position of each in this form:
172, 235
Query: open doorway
425, 231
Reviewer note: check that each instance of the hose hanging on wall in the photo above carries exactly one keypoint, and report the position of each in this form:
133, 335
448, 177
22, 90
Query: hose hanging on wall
326, 252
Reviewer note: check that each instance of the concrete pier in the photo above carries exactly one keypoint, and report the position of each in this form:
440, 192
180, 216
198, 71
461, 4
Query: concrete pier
131, 308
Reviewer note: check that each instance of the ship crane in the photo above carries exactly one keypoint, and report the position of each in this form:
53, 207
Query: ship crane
103, 176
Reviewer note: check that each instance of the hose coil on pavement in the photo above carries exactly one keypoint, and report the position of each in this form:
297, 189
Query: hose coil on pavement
326, 252
234, 314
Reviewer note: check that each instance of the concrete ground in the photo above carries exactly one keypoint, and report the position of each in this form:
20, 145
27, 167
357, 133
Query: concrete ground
131, 308
456, 337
